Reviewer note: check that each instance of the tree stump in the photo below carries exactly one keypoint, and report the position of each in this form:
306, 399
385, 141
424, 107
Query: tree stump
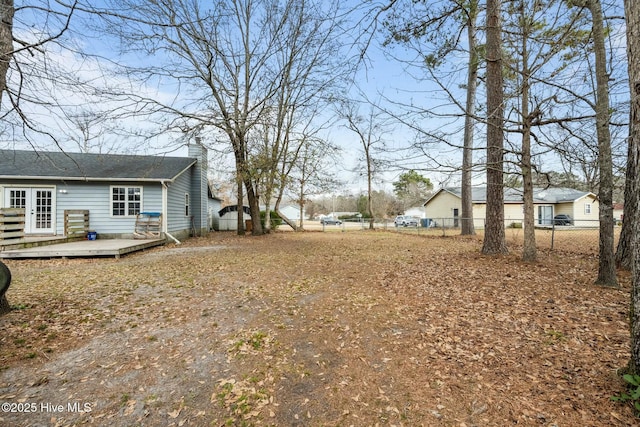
5, 281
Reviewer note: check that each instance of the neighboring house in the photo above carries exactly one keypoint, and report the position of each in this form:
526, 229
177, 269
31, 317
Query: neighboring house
446, 205
114, 188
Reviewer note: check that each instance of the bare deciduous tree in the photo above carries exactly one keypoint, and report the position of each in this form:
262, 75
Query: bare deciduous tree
310, 174
439, 26
370, 130
540, 36
233, 64
19, 76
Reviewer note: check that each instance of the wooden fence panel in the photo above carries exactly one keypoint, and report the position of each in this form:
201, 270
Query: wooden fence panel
76, 223
12, 223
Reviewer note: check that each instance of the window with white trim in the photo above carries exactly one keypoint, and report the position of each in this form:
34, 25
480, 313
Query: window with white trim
587, 208
186, 204
126, 201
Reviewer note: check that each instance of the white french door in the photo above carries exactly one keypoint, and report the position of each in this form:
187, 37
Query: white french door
38, 206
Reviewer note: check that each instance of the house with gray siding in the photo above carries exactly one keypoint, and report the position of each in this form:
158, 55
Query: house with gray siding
114, 188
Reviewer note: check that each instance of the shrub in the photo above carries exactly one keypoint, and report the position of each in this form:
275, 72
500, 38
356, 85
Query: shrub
276, 221
633, 388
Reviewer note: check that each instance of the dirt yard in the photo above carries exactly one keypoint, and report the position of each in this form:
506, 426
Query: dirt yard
314, 329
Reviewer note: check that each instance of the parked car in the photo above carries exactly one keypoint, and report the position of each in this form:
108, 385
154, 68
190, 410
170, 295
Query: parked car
563, 219
330, 221
406, 221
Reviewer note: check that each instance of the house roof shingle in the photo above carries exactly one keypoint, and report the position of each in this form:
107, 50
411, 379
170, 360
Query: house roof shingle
90, 167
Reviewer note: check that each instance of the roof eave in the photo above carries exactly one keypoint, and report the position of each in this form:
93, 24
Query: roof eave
184, 170
440, 190
87, 179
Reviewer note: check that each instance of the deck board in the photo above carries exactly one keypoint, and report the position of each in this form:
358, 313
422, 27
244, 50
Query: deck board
83, 248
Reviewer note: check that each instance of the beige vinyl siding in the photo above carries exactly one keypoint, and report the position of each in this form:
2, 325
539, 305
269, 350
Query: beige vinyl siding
563, 208
442, 206
479, 215
440, 209
513, 212
583, 219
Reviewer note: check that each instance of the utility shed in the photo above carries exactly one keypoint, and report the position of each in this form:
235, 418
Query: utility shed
228, 218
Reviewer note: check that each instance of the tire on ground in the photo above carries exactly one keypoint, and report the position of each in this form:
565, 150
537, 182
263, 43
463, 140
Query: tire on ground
5, 281
5, 278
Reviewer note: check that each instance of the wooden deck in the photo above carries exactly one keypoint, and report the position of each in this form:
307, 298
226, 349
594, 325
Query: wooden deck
83, 248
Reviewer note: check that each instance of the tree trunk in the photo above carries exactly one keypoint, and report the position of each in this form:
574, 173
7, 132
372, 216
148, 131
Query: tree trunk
467, 228
6, 42
494, 237
284, 218
301, 215
267, 217
254, 207
634, 316
529, 250
301, 197
369, 199
624, 253
606, 265
244, 178
632, 14
240, 216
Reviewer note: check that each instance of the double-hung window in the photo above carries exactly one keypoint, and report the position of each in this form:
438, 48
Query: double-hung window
587, 208
126, 201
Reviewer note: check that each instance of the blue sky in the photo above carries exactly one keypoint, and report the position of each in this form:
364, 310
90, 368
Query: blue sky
382, 76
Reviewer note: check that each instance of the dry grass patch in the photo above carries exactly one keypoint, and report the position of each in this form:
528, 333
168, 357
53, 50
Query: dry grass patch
367, 328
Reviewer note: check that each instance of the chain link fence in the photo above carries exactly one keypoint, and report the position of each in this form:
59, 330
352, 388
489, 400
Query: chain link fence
579, 238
